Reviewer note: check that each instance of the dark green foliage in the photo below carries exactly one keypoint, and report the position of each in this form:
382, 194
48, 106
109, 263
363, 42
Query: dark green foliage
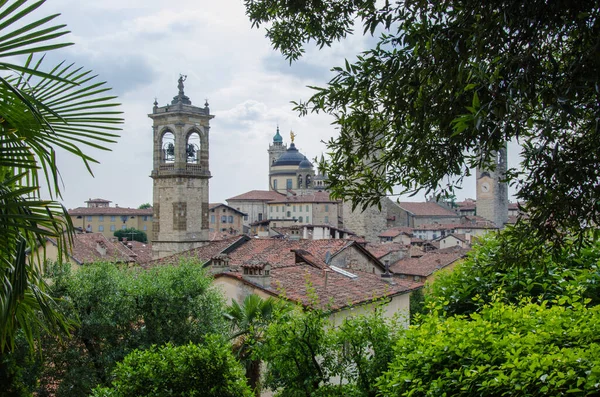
447, 84
125, 309
145, 206
248, 324
417, 304
509, 268
504, 350
207, 370
131, 234
307, 355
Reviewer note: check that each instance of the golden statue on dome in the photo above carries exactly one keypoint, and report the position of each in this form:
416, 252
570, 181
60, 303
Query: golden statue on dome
292, 136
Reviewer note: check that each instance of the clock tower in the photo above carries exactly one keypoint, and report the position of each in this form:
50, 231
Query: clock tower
180, 175
492, 190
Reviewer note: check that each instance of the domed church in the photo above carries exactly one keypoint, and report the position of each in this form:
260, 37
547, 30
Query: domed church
288, 168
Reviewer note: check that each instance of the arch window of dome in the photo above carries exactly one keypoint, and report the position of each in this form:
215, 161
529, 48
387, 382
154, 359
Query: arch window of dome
192, 148
299, 181
167, 145
308, 180
288, 184
274, 184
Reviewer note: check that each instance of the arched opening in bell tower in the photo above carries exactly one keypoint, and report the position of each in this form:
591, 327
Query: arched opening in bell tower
167, 148
192, 148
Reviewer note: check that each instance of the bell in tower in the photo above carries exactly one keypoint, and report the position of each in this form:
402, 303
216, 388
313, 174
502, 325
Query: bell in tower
180, 175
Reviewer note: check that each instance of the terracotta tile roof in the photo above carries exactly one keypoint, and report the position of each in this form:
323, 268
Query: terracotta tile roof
396, 231
311, 197
425, 209
94, 247
258, 195
339, 292
278, 252
379, 250
203, 254
142, 250
428, 263
110, 211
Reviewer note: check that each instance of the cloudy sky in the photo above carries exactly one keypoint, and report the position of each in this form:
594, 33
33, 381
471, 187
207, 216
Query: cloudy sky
141, 46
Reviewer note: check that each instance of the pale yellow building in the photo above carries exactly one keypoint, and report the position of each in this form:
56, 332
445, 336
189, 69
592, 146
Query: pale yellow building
99, 217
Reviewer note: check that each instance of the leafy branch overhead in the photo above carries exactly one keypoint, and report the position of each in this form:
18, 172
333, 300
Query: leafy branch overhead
41, 109
449, 83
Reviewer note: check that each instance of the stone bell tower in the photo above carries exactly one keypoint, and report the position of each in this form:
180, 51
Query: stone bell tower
180, 173
492, 190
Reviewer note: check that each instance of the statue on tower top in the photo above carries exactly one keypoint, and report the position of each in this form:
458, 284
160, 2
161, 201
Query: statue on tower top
182, 78
292, 136
181, 97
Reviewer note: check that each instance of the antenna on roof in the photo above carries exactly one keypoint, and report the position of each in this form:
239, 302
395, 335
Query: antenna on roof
327, 257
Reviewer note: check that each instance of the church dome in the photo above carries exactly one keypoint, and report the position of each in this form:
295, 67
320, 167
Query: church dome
291, 157
277, 138
304, 164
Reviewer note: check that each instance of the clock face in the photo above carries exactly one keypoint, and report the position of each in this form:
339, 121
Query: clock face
485, 187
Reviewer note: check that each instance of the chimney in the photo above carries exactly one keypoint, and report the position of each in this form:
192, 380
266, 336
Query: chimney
259, 273
387, 276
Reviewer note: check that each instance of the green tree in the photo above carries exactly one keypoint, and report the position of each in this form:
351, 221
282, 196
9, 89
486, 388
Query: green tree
248, 323
525, 349
131, 234
125, 309
519, 268
145, 206
190, 370
307, 355
41, 109
446, 85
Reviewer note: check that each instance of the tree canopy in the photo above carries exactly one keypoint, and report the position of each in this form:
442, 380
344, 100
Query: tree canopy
42, 108
131, 233
448, 84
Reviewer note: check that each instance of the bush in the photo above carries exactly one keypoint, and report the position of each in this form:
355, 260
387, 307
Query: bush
190, 370
131, 234
519, 267
523, 350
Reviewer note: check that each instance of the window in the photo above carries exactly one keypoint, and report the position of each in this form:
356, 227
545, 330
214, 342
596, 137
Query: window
274, 184
112, 218
270, 209
145, 218
112, 228
212, 219
101, 228
230, 219
288, 184
223, 209
223, 218
245, 217
326, 207
289, 214
300, 208
89, 218
276, 209
300, 219
307, 208
100, 218
260, 216
326, 219
294, 209
123, 227
145, 228
307, 220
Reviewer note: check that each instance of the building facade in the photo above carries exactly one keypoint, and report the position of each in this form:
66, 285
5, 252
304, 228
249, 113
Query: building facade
99, 217
180, 175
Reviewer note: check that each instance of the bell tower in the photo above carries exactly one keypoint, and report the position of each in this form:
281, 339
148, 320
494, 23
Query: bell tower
180, 175
492, 190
